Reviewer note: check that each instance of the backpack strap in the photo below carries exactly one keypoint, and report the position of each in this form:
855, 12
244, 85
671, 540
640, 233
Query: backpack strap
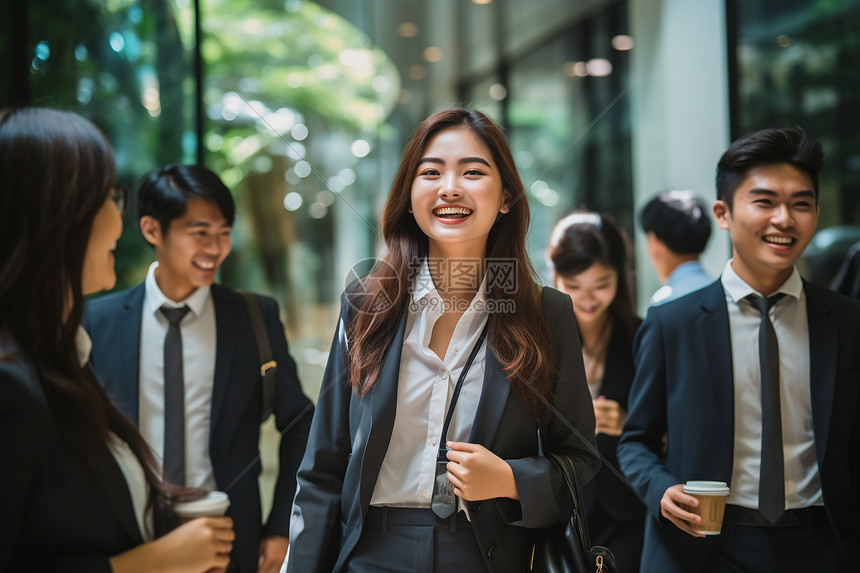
268, 366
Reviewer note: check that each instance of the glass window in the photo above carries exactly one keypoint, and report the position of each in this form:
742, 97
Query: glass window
295, 97
128, 69
570, 126
798, 63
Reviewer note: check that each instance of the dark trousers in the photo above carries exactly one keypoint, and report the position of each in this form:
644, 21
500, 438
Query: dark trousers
405, 540
804, 546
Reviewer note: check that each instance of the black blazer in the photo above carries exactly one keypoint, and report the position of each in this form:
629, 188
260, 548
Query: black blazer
684, 387
57, 513
350, 434
607, 493
113, 322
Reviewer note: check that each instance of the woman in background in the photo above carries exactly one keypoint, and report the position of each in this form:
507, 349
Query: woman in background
588, 257
455, 288
80, 490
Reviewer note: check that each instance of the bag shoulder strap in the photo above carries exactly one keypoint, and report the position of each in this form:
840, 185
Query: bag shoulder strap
577, 516
268, 366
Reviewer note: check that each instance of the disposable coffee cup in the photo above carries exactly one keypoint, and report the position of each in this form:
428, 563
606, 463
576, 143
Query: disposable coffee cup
712, 504
214, 504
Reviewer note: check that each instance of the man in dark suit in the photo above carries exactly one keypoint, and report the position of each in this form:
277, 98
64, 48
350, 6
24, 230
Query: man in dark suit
789, 449
179, 325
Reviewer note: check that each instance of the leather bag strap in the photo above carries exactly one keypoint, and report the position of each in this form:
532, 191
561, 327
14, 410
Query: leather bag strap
577, 516
268, 366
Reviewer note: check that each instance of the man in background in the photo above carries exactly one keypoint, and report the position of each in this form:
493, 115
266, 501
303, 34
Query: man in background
178, 355
678, 229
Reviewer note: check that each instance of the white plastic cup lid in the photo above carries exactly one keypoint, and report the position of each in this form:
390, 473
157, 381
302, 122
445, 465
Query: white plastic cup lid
213, 504
706, 487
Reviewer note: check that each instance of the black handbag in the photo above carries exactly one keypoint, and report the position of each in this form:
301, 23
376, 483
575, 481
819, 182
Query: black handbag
562, 548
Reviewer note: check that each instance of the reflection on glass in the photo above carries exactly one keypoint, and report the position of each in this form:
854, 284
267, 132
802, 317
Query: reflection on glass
300, 86
797, 64
569, 131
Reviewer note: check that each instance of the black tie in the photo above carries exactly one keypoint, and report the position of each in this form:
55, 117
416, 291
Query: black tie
174, 398
771, 485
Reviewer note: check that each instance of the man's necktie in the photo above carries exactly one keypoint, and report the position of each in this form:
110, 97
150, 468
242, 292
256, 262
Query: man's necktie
771, 487
174, 398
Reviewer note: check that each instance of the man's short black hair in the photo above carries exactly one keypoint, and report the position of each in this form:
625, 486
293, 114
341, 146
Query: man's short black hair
680, 220
770, 146
164, 193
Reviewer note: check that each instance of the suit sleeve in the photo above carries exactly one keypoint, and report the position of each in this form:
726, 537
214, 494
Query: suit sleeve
22, 440
640, 450
293, 412
315, 530
544, 496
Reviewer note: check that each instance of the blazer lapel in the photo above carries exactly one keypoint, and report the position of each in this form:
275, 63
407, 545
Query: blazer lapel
113, 486
713, 329
383, 407
227, 317
823, 329
494, 396
128, 346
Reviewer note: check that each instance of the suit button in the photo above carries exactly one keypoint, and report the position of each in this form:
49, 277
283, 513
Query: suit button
476, 506
493, 552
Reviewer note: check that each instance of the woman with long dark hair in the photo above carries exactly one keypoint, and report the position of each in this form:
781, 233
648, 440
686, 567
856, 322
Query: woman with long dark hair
589, 256
81, 491
448, 358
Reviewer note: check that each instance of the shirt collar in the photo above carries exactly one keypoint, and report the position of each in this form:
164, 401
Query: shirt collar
424, 286
683, 269
738, 289
156, 299
84, 345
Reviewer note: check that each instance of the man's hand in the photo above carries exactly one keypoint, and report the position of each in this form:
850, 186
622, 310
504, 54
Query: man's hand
683, 520
477, 473
273, 551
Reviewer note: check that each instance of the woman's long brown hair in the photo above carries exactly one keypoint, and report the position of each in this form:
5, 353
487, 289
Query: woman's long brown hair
520, 339
56, 171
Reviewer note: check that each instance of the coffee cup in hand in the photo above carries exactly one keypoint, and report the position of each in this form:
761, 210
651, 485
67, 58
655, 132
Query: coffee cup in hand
214, 504
712, 504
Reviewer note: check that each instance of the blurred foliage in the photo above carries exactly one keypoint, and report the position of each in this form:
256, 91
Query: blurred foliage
287, 82
269, 65
105, 60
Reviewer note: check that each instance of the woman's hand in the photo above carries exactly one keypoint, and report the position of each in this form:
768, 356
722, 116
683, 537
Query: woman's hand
198, 546
609, 415
477, 473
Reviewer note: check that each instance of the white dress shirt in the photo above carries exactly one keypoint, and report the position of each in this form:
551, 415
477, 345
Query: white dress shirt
125, 458
198, 368
424, 391
802, 484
